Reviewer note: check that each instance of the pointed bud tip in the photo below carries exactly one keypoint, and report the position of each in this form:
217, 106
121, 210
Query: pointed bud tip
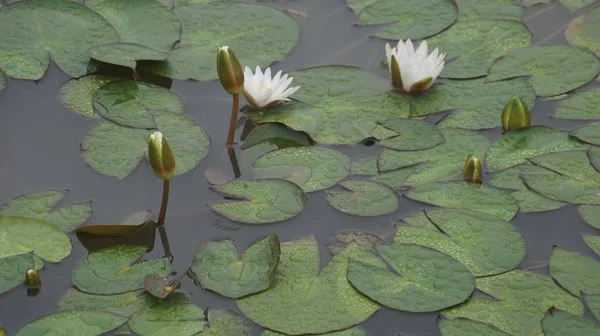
231, 74
32, 277
473, 171
516, 114
160, 156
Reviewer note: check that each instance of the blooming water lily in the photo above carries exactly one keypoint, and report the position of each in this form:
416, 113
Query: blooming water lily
413, 70
261, 91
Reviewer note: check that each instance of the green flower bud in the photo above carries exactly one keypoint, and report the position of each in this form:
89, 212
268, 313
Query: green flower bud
32, 277
473, 171
160, 156
516, 114
230, 71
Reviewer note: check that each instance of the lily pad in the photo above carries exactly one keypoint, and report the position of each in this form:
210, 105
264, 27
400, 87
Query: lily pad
420, 219
63, 29
576, 273
356, 331
465, 327
582, 106
121, 304
559, 323
588, 133
517, 146
414, 19
217, 266
439, 162
80, 323
590, 214
327, 167
394, 178
126, 54
477, 43
555, 69
364, 166
478, 103
2, 81
259, 35
174, 315
364, 239
260, 201
485, 244
572, 5
275, 131
365, 198
13, 270
468, 196
132, 224
593, 242
301, 297
593, 303
488, 9
226, 322
413, 134
114, 270
78, 94
582, 30
439, 282
20, 235
343, 105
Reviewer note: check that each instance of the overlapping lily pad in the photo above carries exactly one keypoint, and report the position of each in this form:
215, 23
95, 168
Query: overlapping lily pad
326, 167
121, 304
364, 166
226, 322
477, 43
81, 323
576, 273
364, 198
217, 266
394, 178
583, 105
413, 134
260, 201
34, 31
593, 303
583, 30
588, 133
174, 315
554, 69
42, 205
342, 105
20, 235
560, 323
590, 214
126, 54
13, 269
490, 10
259, 35
593, 242
439, 282
114, 270
485, 244
275, 132
301, 297
465, 327
78, 94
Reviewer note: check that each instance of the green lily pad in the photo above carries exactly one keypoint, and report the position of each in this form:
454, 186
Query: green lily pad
413, 134
174, 315
439, 162
572, 5
490, 10
275, 131
420, 219
485, 244
439, 282
559, 323
63, 29
356, 331
121, 304
588, 133
217, 266
78, 94
259, 35
576, 273
327, 167
13, 270
582, 106
478, 103
20, 235
528, 200
365, 198
477, 43
555, 69
260, 201
468, 196
343, 105
517, 146
80, 323
582, 30
143, 22
2, 81
593, 303
413, 19
132, 103
594, 156
364, 239
42, 205
126, 54
364, 166
590, 214
465, 327
301, 297
394, 178
226, 322
114, 270
593, 242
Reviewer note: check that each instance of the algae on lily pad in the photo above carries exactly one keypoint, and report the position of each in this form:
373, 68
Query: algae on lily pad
78, 94
275, 132
116, 270
73, 322
554, 69
300, 298
260, 201
581, 106
13, 269
583, 30
590, 214
338, 105
439, 282
363, 198
120, 304
34, 31
126, 54
576, 273
560, 323
466, 327
174, 315
217, 266
413, 134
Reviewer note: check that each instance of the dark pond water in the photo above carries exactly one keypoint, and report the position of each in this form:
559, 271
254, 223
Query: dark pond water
39, 149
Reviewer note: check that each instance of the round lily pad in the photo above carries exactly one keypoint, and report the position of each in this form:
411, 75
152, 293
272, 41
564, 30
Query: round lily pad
67, 30
590, 214
413, 19
260, 201
477, 43
413, 134
490, 10
576, 273
365, 198
13, 270
588, 133
560, 323
583, 31
465, 327
277, 132
81, 323
327, 167
469, 196
78, 94
583, 105
258, 34
121, 304
342, 105
439, 282
114, 270
126, 54
554, 69
174, 315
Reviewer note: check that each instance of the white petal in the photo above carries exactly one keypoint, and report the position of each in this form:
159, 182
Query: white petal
421, 53
410, 48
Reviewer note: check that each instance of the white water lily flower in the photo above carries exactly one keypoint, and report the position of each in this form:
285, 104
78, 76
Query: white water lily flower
261, 91
413, 71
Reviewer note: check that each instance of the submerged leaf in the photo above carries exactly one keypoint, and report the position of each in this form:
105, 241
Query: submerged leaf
132, 224
365, 198
78, 94
275, 131
174, 315
121, 304
13, 269
80, 323
581, 106
583, 30
19, 235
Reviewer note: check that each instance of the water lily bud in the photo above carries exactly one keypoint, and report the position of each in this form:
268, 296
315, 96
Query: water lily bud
160, 156
230, 71
473, 171
516, 114
2, 332
395, 72
32, 278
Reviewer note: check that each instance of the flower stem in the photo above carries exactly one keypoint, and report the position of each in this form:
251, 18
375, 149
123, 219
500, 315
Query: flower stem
163, 204
233, 120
